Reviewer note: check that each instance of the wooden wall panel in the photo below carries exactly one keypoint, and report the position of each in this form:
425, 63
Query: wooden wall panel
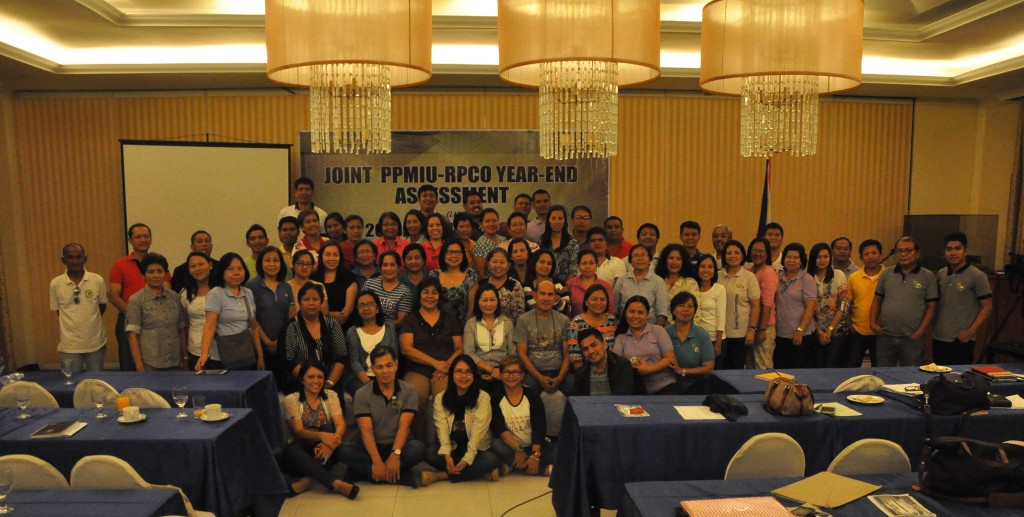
678, 159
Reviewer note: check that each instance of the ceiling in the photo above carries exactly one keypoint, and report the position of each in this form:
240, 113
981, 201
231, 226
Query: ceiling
972, 49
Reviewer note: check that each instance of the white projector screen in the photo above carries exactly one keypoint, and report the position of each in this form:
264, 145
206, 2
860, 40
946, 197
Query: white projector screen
177, 188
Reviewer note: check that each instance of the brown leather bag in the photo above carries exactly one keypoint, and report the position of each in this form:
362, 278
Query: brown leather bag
787, 397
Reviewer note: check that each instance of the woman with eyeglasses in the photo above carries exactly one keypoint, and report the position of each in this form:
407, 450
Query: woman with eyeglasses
311, 336
430, 339
395, 297
303, 265
518, 423
462, 418
315, 418
193, 299
517, 223
339, 285
510, 291
458, 281
644, 282
370, 331
366, 263
487, 337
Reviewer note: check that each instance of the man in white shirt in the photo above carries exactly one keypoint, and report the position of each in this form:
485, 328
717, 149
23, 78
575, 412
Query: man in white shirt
541, 205
80, 297
303, 196
609, 268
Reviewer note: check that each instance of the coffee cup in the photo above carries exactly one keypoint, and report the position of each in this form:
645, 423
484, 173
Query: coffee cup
131, 413
213, 412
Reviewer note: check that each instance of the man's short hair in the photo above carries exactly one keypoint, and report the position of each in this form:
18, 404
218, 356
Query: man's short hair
578, 208
303, 181
596, 230
693, 225
589, 332
288, 219
773, 226
612, 218
381, 351
657, 232
70, 246
197, 233
960, 237
866, 243
837, 239
522, 194
138, 225
910, 239
725, 227
470, 193
254, 228
425, 188
539, 191
153, 258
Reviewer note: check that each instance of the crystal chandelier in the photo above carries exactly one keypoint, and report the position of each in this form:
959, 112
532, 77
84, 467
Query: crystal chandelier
778, 56
346, 52
578, 53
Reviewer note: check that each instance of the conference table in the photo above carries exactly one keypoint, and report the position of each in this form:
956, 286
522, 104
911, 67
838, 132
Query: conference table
256, 390
134, 502
827, 379
599, 450
223, 467
661, 498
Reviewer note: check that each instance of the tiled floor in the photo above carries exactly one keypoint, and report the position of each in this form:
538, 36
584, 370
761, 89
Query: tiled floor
469, 499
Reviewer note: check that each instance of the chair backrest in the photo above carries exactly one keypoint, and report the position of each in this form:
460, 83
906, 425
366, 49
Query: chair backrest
860, 383
38, 396
767, 455
103, 471
83, 392
145, 398
870, 456
32, 473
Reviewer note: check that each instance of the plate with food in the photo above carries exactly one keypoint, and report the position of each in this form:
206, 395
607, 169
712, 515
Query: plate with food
865, 399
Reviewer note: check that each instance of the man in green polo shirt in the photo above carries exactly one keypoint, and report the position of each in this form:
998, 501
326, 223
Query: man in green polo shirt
903, 308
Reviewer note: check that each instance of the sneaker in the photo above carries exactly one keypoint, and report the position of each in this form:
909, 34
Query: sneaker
493, 475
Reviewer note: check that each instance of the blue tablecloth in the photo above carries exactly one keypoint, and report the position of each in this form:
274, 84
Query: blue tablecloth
223, 467
599, 450
826, 379
139, 502
661, 498
236, 389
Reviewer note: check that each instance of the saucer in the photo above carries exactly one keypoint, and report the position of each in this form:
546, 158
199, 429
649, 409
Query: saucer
934, 368
121, 420
223, 416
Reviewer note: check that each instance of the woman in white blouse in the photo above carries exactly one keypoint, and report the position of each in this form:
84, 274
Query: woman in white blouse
743, 306
193, 298
487, 337
711, 302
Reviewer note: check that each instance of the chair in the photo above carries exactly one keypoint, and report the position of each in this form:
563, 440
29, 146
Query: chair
83, 393
103, 472
32, 473
860, 383
767, 455
870, 456
144, 398
38, 396
1015, 442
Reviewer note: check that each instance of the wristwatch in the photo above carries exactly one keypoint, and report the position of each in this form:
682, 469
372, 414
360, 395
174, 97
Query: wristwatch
396, 452
329, 383
799, 329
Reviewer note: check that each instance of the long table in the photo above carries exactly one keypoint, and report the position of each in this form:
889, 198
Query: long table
661, 498
223, 467
827, 379
137, 502
599, 450
236, 389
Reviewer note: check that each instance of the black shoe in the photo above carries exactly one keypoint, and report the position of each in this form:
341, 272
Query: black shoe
408, 480
353, 493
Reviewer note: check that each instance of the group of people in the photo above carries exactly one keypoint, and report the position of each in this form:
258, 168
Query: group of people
497, 321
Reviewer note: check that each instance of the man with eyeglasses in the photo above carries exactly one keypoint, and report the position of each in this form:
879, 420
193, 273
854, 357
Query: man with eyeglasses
903, 308
965, 303
79, 297
383, 451
581, 217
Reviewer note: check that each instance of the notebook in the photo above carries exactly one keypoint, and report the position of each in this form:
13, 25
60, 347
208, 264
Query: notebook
59, 429
763, 506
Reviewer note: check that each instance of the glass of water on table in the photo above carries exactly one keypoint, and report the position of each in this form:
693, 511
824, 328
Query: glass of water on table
180, 396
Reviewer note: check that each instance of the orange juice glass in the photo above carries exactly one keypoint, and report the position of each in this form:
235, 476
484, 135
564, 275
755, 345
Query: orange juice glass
122, 402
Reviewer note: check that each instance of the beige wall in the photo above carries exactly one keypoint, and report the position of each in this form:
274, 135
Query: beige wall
963, 160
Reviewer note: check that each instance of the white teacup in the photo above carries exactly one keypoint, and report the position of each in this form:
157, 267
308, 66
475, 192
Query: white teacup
213, 412
130, 413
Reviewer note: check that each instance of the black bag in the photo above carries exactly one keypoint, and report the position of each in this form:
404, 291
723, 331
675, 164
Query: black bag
973, 471
237, 350
729, 407
956, 393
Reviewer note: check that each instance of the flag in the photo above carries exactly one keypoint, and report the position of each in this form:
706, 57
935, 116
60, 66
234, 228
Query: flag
766, 206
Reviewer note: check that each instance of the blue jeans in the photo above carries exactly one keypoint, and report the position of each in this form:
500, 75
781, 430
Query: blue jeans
485, 462
358, 460
901, 349
91, 361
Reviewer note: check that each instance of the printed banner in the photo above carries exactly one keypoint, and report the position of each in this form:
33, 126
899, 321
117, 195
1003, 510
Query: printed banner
497, 164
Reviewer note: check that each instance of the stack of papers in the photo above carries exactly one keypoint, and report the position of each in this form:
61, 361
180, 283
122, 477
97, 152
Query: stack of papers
770, 376
698, 413
59, 429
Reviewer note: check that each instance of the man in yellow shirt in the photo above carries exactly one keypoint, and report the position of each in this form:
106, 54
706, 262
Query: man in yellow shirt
861, 285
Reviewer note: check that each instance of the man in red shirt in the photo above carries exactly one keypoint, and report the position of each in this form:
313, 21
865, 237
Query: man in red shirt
126, 279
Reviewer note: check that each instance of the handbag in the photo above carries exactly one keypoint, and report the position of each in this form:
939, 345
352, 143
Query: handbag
787, 397
236, 350
956, 393
973, 471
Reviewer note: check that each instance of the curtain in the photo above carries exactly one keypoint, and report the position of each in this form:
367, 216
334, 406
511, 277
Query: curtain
1015, 214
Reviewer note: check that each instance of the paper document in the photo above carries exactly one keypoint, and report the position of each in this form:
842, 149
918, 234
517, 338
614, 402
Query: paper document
1016, 402
698, 413
826, 490
900, 505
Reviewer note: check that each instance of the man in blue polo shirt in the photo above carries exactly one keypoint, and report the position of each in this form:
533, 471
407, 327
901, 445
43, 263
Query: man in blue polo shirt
964, 306
903, 308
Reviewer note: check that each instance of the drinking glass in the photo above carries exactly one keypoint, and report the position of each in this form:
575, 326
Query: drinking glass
6, 482
99, 398
198, 405
22, 398
180, 396
65, 368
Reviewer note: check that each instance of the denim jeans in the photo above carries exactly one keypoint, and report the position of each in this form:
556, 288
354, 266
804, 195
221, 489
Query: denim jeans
91, 361
899, 349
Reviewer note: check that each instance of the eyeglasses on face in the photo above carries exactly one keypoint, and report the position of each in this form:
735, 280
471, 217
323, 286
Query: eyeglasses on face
904, 251
512, 373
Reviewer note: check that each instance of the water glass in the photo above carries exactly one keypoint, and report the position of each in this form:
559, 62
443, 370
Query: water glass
198, 405
6, 482
22, 397
99, 398
66, 369
180, 396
